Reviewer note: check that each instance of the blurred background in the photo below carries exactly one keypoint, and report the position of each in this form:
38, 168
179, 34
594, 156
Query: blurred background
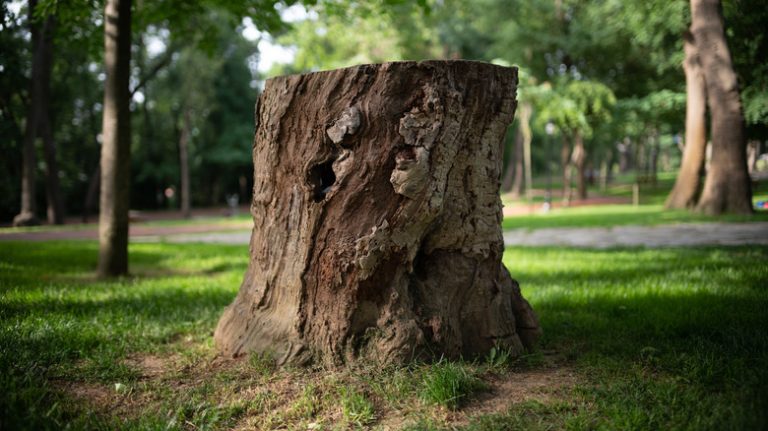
602, 94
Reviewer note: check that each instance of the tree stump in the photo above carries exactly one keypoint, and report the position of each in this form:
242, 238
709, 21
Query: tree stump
377, 218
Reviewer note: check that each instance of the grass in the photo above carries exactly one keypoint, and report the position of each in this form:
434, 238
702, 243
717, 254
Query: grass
653, 339
650, 211
618, 215
449, 384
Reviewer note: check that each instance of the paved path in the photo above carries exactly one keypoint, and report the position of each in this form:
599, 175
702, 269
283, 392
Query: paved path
690, 234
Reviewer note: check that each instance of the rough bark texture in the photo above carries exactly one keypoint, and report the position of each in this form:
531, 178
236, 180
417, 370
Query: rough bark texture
688, 180
376, 218
727, 188
116, 145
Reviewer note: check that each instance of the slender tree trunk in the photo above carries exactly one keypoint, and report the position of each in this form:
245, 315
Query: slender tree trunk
116, 145
653, 158
727, 188
378, 236
688, 181
525, 116
579, 159
604, 166
55, 211
92, 193
519, 178
186, 208
753, 151
625, 155
513, 176
565, 162
27, 215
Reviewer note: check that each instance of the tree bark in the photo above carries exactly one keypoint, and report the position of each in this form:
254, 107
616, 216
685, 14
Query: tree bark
90, 195
55, 210
27, 215
753, 151
518, 179
525, 127
579, 159
565, 162
513, 177
186, 207
376, 218
688, 182
116, 145
727, 188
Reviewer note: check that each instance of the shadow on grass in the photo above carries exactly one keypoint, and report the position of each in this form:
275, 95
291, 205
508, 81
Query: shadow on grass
666, 339
58, 321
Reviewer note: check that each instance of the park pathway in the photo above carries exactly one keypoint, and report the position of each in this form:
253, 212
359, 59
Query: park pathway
673, 235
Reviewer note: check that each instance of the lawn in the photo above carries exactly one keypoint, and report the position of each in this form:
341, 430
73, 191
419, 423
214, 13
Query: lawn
649, 212
618, 215
634, 339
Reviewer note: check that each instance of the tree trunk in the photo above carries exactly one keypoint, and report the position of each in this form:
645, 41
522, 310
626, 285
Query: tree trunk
579, 159
753, 151
90, 195
186, 208
518, 180
513, 177
27, 215
55, 211
688, 181
625, 155
727, 188
525, 128
565, 162
376, 218
116, 145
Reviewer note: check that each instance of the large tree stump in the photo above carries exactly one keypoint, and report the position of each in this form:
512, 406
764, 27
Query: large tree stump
377, 217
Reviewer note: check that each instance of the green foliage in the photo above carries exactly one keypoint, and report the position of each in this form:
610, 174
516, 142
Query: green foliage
262, 363
355, 407
499, 358
449, 384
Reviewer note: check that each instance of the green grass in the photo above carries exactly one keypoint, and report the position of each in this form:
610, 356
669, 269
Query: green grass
650, 211
657, 339
618, 215
356, 408
449, 384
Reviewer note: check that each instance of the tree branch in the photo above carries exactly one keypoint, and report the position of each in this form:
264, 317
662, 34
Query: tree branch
161, 63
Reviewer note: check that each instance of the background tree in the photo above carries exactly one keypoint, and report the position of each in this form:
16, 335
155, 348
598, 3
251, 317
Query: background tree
727, 186
114, 200
688, 182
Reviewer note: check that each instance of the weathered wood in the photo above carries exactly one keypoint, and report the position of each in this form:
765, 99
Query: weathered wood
377, 217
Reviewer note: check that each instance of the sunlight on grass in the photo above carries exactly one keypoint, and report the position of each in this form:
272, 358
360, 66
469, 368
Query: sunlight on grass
659, 339
617, 215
